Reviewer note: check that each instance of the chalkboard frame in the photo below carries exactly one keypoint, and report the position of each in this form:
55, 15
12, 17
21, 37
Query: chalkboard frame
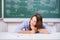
1, 9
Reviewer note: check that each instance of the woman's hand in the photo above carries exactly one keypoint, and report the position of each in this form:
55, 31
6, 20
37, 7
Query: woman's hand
34, 29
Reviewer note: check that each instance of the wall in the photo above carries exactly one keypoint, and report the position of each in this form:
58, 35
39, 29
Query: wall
3, 26
11, 26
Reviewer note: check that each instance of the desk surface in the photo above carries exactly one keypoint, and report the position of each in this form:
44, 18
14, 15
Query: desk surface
6, 35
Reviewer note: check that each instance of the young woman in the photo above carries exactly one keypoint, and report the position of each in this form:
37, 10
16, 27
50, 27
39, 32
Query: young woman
34, 25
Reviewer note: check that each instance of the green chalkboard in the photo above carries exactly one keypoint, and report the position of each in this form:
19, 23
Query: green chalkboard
26, 8
0, 8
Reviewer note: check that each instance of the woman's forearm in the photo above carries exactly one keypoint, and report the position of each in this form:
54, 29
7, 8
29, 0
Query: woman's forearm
26, 32
43, 31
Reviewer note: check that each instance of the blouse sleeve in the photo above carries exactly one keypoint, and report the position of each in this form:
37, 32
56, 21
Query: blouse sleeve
22, 26
47, 28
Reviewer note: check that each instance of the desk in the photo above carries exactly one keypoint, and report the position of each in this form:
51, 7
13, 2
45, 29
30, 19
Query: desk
6, 35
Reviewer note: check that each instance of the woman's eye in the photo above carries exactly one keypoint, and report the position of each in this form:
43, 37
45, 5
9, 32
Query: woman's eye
34, 21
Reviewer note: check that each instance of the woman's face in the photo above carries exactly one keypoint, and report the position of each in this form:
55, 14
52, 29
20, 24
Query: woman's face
33, 21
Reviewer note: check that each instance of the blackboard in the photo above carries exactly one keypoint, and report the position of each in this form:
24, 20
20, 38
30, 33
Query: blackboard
0, 8
27, 8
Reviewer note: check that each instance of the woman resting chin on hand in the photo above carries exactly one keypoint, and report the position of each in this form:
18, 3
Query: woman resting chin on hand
31, 31
35, 26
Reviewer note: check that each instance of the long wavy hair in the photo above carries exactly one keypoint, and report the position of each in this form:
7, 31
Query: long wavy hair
39, 21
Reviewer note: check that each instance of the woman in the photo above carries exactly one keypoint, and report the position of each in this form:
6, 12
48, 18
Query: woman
33, 26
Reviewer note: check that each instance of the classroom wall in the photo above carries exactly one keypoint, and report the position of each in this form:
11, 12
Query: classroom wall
11, 26
3, 26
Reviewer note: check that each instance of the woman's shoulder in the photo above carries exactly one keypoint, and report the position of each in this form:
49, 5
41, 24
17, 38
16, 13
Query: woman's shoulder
25, 23
27, 20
